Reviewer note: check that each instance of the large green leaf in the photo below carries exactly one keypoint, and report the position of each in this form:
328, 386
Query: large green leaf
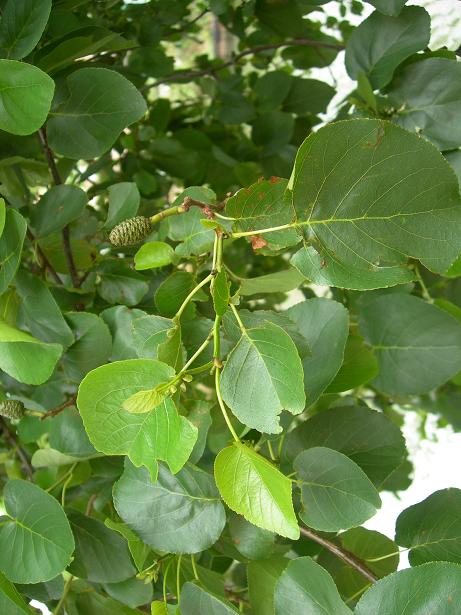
418, 346
251, 486
306, 588
371, 194
36, 542
40, 311
22, 25
124, 200
68, 436
360, 366
336, 494
324, 324
373, 441
26, 358
388, 7
196, 601
11, 243
252, 542
426, 98
179, 513
120, 320
92, 346
381, 43
262, 577
88, 116
11, 601
120, 284
101, 555
25, 96
57, 207
308, 96
262, 376
160, 433
432, 588
432, 528
149, 333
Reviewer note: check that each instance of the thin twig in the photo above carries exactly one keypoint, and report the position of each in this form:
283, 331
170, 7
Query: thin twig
59, 409
187, 24
58, 180
342, 554
194, 74
28, 469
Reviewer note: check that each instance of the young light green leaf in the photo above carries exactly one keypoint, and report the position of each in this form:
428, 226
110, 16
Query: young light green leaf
373, 441
26, 358
179, 513
432, 528
99, 103
160, 433
433, 112
418, 346
153, 254
254, 488
305, 587
278, 282
196, 601
145, 401
22, 25
25, 96
57, 207
431, 588
38, 529
380, 43
262, 376
325, 325
336, 494
11, 242
378, 181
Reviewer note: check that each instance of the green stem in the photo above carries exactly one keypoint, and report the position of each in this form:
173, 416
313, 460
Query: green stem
64, 488
222, 406
194, 567
178, 579
195, 290
64, 595
238, 319
166, 213
62, 478
165, 576
196, 354
383, 557
263, 230
425, 292
271, 451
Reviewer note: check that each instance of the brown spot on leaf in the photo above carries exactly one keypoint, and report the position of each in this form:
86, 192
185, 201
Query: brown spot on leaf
258, 242
274, 180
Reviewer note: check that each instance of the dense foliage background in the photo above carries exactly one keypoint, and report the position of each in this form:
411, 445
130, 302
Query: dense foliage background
216, 308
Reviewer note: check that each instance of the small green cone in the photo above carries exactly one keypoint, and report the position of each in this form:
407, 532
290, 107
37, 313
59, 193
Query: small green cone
12, 409
130, 231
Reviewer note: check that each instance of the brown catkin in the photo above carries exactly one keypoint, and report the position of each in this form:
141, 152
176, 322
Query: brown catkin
130, 231
12, 409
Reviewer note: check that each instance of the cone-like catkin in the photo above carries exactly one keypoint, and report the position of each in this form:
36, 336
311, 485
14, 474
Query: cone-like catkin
130, 231
12, 409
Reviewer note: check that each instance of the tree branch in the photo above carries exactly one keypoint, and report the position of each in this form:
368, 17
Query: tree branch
346, 556
193, 74
44, 258
28, 469
58, 180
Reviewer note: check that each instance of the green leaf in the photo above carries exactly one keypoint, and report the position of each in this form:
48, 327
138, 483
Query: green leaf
359, 366
11, 601
68, 435
262, 376
277, 282
2, 215
179, 513
132, 592
324, 269
325, 325
308, 96
159, 434
305, 587
262, 577
26, 358
432, 588
336, 494
252, 542
88, 116
120, 284
139, 551
25, 97
11, 243
149, 332
101, 555
120, 321
264, 205
377, 181
40, 311
124, 200
418, 346
36, 542
432, 528
153, 254
272, 88
220, 292
21, 27
144, 401
373, 441
57, 207
187, 228
381, 43
92, 346
432, 112
196, 601
254, 488
272, 130
172, 292
388, 7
